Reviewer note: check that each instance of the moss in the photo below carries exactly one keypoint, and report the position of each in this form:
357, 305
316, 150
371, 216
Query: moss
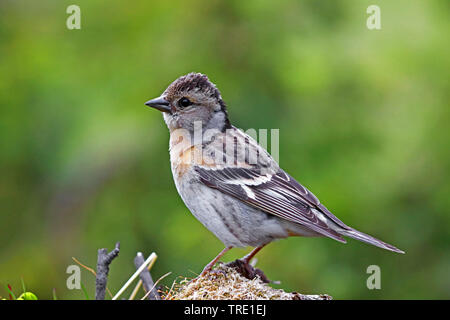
225, 283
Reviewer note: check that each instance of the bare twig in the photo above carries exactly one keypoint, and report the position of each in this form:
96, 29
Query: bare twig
91, 271
154, 286
139, 284
104, 259
135, 275
146, 278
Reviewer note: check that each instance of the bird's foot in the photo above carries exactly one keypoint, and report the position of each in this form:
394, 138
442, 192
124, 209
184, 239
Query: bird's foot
245, 269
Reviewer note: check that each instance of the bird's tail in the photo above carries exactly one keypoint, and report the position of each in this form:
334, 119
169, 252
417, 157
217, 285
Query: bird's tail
355, 234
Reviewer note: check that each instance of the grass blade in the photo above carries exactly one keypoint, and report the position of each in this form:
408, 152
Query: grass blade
84, 291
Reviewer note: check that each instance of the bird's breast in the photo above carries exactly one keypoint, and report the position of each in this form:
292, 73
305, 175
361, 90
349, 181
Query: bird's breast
184, 155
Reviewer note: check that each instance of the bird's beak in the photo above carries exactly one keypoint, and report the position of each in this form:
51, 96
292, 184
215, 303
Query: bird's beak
159, 103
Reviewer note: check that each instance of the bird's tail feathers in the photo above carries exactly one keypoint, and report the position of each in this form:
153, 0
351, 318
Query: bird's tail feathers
355, 234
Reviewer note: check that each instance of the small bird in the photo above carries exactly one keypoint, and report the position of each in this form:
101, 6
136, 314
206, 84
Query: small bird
230, 183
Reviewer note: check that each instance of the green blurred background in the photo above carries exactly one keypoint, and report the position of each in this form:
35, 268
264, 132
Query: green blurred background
363, 118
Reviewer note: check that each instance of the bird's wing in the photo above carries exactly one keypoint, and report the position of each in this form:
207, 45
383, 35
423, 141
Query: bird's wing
277, 194
264, 185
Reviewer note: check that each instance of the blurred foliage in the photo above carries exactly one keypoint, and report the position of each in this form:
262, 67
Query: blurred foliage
25, 295
363, 118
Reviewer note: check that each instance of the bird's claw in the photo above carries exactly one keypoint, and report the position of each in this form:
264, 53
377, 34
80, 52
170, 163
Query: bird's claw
245, 269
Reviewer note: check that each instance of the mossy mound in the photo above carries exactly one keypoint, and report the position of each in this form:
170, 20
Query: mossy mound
226, 283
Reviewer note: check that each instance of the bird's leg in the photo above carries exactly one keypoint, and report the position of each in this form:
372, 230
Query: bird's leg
209, 266
250, 256
243, 267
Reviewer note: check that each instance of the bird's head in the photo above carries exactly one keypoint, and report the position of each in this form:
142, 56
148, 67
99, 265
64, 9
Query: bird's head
189, 99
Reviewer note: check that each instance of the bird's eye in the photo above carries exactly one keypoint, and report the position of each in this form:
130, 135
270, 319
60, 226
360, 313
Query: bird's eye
184, 102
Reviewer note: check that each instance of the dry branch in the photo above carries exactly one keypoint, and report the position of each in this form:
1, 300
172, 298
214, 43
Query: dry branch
104, 259
146, 278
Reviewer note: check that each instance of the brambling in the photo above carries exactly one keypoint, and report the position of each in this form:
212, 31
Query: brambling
230, 183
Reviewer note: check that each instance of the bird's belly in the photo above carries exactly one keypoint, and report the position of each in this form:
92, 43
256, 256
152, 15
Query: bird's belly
232, 221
